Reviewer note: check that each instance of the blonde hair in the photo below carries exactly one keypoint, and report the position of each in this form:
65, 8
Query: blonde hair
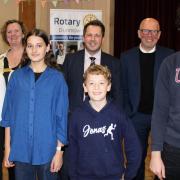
98, 70
4, 29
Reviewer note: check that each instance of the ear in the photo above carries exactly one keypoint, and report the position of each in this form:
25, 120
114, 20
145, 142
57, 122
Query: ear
48, 48
85, 89
159, 34
139, 34
109, 87
102, 39
83, 38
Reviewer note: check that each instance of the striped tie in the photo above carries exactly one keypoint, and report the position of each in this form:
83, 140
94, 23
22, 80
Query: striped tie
92, 60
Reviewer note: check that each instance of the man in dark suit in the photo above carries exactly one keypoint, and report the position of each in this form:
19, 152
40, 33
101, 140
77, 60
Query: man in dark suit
139, 68
76, 63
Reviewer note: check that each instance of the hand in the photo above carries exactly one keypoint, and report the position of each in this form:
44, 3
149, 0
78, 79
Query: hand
157, 165
122, 178
6, 161
57, 162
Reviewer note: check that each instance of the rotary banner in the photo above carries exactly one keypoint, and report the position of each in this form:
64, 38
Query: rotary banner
66, 29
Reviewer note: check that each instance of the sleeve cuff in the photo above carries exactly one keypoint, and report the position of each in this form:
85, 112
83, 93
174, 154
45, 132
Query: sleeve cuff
4, 123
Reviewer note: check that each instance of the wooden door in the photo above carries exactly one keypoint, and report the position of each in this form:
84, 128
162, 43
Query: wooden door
27, 13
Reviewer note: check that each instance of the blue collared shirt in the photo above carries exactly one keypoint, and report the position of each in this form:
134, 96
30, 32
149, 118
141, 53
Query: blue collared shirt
36, 113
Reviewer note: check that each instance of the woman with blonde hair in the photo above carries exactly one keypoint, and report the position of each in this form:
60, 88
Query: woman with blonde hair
13, 33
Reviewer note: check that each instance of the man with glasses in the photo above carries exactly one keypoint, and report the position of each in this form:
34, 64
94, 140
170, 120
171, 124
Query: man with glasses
139, 68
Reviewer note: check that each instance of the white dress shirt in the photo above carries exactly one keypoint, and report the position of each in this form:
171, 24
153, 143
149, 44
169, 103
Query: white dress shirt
87, 60
2, 92
145, 51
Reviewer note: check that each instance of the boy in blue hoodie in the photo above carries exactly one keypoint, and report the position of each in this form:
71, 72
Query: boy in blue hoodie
96, 133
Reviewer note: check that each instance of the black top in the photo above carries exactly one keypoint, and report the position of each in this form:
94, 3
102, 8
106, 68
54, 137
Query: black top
147, 88
37, 75
7, 70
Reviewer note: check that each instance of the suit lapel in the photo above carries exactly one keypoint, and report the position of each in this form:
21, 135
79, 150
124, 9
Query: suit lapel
81, 64
157, 64
106, 60
103, 59
80, 71
136, 73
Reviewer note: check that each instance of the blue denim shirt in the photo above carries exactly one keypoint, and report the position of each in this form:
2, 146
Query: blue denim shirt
36, 113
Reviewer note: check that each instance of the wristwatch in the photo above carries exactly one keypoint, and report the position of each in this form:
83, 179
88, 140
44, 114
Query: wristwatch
60, 148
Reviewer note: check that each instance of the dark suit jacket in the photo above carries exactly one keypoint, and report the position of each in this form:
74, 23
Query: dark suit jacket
73, 68
130, 77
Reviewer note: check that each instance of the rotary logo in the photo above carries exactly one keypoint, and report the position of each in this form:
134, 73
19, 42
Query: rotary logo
88, 18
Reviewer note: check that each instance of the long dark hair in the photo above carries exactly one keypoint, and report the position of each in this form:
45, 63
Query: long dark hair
49, 58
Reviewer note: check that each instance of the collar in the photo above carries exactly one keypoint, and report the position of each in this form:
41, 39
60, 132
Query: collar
2, 56
97, 55
87, 103
145, 51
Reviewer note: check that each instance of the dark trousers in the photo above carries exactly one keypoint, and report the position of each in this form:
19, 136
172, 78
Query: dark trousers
142, 125
63, 173
26, 171
171, 159
0, 170
11, 173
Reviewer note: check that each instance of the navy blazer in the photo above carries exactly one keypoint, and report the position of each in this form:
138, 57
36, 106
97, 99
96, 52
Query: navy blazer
73, 69
130, 76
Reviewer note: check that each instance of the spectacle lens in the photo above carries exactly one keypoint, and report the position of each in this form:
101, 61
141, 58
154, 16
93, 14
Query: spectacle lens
148, 31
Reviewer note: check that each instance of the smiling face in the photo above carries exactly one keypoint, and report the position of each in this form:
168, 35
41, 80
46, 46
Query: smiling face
97, 87
149, 38
93, 39
14, 34
36, 49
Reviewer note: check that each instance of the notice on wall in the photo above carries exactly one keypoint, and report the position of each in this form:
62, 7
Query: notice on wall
66, 30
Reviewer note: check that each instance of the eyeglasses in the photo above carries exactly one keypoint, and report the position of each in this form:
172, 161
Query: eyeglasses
147, 31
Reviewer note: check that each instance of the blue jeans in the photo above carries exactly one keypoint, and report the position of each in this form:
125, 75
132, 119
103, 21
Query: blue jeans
171, 159
26, 171
142, 125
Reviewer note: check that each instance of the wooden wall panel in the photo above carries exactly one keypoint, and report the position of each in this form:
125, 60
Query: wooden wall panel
27, 13
8, 11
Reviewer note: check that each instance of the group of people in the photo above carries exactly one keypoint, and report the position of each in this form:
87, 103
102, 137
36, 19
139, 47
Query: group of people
92, 120
35, 107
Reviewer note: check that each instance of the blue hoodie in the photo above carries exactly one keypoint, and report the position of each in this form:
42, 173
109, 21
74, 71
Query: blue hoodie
95, 144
